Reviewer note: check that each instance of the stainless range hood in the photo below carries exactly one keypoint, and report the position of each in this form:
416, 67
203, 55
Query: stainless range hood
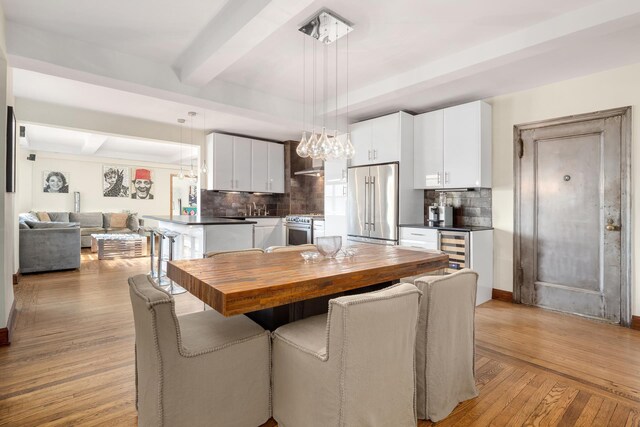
317, 169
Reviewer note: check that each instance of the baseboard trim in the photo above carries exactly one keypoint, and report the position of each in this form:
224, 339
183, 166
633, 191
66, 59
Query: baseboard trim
5, 333
635, 323
16, 278
501, 295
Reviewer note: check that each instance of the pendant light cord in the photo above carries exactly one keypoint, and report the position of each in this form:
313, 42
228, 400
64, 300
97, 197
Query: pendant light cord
304, 86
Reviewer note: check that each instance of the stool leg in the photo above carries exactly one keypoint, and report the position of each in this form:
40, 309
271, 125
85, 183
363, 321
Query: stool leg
163, 280
152, 248
174, 289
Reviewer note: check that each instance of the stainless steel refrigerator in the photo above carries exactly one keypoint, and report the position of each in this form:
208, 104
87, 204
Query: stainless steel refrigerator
373, 204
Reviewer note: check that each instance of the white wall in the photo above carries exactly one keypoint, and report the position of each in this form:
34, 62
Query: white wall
611, 89
8, 223
85, 176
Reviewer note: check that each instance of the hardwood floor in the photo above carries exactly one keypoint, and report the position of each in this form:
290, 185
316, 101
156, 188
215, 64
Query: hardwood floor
71, 359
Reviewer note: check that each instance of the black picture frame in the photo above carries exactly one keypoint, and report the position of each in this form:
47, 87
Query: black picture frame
11, 151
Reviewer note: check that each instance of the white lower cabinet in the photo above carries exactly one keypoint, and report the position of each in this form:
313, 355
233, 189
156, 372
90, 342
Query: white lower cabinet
466, 249
422, 238
268, 232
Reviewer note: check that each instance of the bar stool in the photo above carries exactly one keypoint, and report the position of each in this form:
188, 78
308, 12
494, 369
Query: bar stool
173, 288
161, 278
152, 249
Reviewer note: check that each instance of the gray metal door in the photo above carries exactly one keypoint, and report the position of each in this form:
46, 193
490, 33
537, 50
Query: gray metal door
570, 219
384, 201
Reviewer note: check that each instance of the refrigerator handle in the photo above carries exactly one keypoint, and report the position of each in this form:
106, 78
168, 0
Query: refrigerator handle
366, 206
373, 203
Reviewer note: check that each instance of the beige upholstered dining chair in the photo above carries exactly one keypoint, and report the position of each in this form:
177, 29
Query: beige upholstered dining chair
352, 367
445, 349
200, 369
234, 252
299, 248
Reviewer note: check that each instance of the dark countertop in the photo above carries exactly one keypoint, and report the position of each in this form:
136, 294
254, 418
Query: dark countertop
241, 217
452, 228
198, 220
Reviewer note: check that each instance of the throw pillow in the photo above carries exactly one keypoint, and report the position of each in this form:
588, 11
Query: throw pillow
43, 216
23, 225
39, 224
133, 223
59, 216
118, 220
30, 216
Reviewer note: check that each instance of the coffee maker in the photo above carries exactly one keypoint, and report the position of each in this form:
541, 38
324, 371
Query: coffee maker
441, 215
445, 216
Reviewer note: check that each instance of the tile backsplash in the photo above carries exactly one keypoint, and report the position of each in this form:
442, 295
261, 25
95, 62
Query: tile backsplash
471, 208
302, 194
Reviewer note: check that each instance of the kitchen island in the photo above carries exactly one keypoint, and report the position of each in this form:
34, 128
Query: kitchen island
201, 234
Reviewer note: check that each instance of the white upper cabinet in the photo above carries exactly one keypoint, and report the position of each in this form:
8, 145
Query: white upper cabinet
361, 140
385, 139
259, 168
220, 159
275, 178
428, 150
380, 140
452, 147
243, 164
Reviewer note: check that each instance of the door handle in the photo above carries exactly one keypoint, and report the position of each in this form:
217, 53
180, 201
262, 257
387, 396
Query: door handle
366, 206
373, 203
611, 226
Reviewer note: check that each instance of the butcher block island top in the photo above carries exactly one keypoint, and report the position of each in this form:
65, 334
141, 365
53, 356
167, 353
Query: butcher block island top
236, 284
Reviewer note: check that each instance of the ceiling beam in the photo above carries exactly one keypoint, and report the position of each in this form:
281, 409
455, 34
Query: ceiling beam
239, 27
92, 143
44, 52
558, 32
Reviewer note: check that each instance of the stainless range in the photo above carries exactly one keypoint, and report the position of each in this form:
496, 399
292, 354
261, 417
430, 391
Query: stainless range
300, 228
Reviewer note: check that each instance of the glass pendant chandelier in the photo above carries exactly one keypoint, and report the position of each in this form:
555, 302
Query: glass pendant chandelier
325, 27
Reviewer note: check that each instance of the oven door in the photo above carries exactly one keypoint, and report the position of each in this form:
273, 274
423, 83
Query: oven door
298, 234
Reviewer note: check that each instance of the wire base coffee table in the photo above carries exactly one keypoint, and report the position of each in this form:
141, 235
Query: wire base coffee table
112, 246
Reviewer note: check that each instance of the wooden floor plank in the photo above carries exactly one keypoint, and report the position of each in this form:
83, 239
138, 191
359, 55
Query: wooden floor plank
589, 412
71, 359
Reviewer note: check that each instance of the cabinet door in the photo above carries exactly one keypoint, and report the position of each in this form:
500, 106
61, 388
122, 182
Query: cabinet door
335, 198
272, 236
385, 139
335, 170
241, 164
221, 161
462, 146
259, 237
259, 166
428, 159
361, 140
276, 167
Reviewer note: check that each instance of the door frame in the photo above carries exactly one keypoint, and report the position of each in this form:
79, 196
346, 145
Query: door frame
626, 245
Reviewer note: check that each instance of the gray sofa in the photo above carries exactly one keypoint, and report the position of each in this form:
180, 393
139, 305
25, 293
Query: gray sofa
49, 249
55, 244
91, 223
